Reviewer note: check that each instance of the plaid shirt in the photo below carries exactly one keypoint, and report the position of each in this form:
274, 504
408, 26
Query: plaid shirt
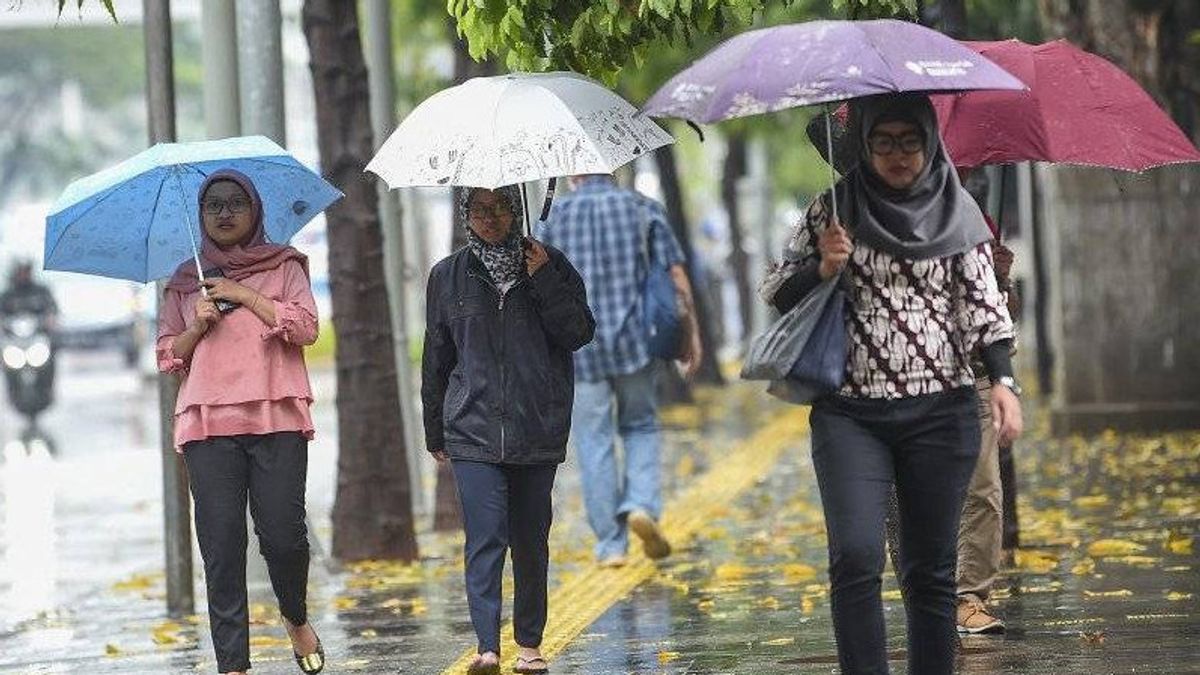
601, 228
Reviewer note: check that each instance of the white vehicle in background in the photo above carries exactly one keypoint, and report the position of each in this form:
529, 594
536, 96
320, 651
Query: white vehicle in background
98, 314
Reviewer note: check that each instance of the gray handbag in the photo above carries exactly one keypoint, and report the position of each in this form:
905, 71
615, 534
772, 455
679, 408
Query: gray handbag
803, 353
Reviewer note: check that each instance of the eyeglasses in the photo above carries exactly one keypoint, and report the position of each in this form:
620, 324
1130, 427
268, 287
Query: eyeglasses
498, 211
236, 205
886, 144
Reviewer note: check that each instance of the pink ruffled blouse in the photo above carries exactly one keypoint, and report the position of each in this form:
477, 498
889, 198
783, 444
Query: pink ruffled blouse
244, 376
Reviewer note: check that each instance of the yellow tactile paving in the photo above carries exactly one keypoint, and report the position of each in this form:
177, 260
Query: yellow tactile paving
582, 599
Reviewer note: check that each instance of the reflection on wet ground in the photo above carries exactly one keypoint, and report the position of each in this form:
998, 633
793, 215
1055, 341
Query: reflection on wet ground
1107, 583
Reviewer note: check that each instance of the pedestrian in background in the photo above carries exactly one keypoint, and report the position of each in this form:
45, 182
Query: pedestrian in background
613, 236
242, 417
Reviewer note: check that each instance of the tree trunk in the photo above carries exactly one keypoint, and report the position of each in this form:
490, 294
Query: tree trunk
668, 176
372, 511
732, 170
954, 18
447, 514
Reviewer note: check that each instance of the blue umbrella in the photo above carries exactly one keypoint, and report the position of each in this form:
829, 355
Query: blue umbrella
139, 219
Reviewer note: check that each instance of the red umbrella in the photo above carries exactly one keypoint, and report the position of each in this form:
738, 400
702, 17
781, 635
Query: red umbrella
1079, 109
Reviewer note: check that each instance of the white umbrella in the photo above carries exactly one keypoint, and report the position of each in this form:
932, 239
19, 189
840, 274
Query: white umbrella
509, 129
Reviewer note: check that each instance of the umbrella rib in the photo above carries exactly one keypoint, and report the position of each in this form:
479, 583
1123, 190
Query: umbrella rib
153, 215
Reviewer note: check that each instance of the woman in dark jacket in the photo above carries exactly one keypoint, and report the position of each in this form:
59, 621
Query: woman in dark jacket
914, 250
504, 315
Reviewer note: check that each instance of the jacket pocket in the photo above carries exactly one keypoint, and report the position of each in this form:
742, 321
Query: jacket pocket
465, 306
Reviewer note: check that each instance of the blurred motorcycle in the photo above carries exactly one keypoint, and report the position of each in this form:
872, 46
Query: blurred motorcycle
28, 354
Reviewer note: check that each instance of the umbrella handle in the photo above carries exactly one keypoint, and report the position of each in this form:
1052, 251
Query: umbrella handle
525, 209
829, 147
549, 199
191, 236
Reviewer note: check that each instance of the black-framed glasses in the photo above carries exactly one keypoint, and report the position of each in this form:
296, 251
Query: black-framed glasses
480, 211
236, 206
886, 144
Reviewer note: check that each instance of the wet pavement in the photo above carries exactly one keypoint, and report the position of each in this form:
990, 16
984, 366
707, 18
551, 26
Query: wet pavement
1107, 582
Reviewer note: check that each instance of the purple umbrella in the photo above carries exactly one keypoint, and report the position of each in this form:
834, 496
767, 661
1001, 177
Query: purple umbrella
821, 61
814, 62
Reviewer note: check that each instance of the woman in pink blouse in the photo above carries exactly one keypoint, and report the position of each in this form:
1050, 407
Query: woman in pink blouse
242, 418
914, 253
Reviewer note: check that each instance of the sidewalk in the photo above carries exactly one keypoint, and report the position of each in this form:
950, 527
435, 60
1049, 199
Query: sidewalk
1107, 583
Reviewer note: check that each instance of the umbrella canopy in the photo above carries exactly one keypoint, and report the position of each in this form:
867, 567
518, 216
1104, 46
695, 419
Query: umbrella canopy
139, 219
509, 129
818, 62
1078, 109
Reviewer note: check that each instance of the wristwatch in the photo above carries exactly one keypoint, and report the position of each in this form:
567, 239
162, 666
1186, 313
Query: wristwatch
1010, 382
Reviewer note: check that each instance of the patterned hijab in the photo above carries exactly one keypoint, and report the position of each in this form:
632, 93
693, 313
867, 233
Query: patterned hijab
505, 262
935, 217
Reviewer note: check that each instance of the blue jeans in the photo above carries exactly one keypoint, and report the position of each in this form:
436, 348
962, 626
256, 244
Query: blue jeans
608, 493
926, 446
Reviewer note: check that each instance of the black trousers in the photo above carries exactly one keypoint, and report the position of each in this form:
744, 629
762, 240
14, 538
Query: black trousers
926, 446
506, 506
269, 471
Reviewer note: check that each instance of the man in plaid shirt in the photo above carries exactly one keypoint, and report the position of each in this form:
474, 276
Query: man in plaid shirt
611, 234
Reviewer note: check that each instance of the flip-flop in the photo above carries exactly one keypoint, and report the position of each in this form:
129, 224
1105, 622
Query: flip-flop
525, 666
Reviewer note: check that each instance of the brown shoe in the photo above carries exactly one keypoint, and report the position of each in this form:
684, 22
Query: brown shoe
654, 543
974, 619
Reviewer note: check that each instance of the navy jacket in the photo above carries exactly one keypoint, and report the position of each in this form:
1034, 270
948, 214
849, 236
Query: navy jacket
497, 380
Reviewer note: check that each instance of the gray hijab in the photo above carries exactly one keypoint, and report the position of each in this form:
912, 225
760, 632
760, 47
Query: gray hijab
935, 217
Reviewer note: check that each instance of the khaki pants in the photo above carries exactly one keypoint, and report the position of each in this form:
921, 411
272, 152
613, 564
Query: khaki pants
981, 529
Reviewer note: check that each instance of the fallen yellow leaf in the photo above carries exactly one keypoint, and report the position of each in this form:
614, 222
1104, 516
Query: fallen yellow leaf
667, 657
799, 572
1108, 547
1119, 593
1092, 501
269, 641
1084, 567
1179, 544
731, 572
112, 650
369, 633
344, 603
1039, 562
769, 602
1175, 596
779, 642
1135, 560
893, 594
137, 582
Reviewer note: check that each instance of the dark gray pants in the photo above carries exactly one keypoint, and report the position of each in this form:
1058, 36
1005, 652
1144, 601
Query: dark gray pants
926, 446
506, 506
270, 472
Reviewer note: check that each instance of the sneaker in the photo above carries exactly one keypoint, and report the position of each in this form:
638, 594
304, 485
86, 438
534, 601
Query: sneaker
974, 618
654, 543
614, 561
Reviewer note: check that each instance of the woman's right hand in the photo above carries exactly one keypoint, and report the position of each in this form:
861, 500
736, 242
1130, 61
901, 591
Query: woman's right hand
207, 315
835, 248
441, 456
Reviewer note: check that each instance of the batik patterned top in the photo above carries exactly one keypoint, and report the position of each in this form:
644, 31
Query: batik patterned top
912, 324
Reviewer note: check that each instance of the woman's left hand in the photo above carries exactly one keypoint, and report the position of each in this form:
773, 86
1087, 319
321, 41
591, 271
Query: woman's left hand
535, 256
221, 288
1006, 414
